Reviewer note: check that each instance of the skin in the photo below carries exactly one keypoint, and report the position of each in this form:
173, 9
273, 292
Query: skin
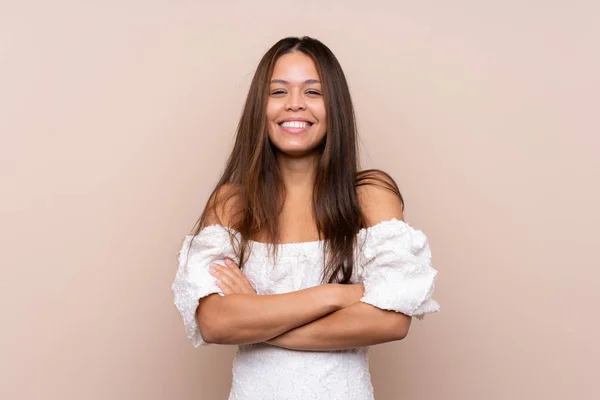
323, 318
295, 92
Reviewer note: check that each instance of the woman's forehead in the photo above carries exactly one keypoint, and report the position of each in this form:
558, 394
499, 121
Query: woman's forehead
295, 68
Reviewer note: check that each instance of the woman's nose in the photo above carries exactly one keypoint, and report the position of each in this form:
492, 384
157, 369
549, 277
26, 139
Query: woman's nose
295, 102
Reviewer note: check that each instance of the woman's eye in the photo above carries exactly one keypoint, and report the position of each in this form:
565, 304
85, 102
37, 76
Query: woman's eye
313, 92
278, 91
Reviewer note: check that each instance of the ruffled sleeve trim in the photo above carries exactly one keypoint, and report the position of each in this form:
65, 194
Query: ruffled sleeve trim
397, 270
193, 280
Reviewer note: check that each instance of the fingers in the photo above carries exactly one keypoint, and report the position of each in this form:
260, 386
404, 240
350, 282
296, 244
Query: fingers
230, 279
225, 288
233, 267
221, 273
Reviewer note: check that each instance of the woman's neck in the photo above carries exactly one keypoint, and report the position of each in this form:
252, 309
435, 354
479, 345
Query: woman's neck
298, 174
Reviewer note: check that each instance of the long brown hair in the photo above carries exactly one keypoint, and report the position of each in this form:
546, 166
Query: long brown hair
252, 178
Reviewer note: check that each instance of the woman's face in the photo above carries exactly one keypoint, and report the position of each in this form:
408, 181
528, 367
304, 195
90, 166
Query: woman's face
296, 118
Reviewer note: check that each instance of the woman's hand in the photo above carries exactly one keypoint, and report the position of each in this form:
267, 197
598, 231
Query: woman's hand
230, 278
350, 294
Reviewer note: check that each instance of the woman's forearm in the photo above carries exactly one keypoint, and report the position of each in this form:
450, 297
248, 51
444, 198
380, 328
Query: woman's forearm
355, 326
243, 318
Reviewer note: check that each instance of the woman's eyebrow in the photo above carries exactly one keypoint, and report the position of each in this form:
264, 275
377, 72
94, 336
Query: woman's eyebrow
306, 82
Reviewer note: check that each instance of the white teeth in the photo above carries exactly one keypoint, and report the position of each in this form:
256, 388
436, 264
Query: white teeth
295, 124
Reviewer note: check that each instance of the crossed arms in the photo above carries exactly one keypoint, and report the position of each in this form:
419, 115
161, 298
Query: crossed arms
322, 318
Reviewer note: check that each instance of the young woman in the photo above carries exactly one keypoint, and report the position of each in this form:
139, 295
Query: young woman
298, 258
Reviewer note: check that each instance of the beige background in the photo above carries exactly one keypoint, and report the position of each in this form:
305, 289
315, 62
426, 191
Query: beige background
116, 118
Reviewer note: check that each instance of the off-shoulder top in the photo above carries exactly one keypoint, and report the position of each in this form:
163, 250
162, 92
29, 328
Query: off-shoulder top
393, 261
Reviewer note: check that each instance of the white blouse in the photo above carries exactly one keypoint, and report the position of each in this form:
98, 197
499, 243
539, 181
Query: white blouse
393, 261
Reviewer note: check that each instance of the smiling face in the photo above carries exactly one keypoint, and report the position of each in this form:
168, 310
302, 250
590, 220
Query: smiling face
296, 117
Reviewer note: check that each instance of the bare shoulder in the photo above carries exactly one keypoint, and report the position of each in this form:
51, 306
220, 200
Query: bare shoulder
378, 196
224, 205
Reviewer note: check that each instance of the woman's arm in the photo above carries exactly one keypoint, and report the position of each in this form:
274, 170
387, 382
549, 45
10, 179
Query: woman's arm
247, 318
357, 325
240, 316
331, 313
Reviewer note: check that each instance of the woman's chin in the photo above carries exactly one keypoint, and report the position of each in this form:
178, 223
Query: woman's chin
296, 146
296, 151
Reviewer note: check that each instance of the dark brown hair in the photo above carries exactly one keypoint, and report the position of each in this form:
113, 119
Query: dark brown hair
252, 181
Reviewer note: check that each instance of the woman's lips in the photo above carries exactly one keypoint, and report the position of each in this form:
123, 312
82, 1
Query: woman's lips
295, 126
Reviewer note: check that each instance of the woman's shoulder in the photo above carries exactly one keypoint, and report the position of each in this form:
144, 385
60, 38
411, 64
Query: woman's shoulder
223, 205
378, 196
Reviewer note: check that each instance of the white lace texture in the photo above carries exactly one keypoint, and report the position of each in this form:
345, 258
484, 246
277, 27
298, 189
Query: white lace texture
393, 261
193, 281
397, 271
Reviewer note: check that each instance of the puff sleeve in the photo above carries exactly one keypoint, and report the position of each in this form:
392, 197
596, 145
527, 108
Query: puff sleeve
397, 270
193, 280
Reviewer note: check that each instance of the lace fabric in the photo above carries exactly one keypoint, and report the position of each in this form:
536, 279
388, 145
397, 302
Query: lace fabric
393, 263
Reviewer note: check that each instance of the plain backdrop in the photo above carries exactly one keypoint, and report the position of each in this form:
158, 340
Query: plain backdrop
116, 118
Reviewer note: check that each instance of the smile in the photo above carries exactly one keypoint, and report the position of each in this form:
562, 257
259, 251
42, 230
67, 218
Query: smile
295, 124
